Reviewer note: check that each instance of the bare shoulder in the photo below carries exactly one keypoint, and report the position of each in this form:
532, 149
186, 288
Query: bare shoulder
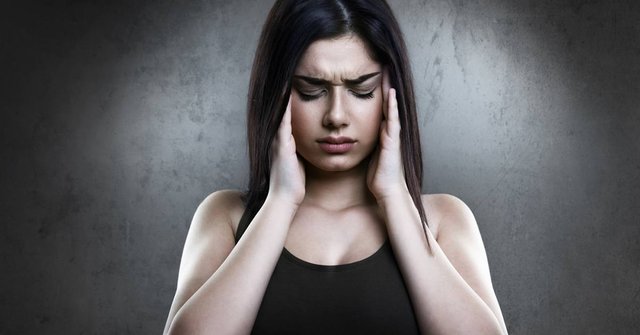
220, 206
211, 234
447, 213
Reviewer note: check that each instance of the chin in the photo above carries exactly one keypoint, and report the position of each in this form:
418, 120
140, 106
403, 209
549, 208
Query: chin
335, 164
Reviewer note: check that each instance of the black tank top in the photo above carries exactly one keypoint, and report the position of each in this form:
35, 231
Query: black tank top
365, 297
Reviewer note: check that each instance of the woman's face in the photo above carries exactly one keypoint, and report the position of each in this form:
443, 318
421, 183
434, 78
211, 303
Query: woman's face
336, 103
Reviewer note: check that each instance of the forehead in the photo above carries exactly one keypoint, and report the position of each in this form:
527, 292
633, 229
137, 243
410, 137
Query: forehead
336, 59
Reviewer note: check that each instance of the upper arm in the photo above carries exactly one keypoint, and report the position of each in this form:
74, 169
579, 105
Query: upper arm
459, 238
209, 241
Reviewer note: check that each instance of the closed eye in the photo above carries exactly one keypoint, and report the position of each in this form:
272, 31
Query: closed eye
314, 96
364, 95
311, 96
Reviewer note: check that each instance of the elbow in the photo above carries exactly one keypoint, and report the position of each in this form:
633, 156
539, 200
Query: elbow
486, 325
180, 325
493, 327
491, 323
190, 324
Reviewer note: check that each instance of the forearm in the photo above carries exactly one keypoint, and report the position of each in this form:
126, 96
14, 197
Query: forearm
228, 301
443, 302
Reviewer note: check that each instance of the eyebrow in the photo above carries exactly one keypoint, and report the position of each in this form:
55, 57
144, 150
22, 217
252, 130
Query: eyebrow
351, 82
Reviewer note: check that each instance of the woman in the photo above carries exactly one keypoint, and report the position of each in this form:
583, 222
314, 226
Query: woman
332, 235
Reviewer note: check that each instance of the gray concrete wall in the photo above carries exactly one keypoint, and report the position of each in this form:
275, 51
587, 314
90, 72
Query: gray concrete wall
119, 117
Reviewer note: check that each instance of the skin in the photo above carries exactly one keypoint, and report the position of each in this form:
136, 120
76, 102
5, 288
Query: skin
220, 285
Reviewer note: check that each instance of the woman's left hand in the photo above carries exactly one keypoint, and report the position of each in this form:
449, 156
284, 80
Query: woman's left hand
385, 176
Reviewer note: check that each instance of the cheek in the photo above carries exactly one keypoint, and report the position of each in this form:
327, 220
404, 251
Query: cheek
374, 127
371, 116
373, 122
299, 124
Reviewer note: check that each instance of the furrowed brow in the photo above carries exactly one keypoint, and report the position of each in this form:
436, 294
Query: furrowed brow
360, 79
350, 82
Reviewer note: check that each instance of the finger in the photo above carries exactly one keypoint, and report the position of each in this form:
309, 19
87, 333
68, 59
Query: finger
385, 90
286, 119
393, 124
284, 130
385, 84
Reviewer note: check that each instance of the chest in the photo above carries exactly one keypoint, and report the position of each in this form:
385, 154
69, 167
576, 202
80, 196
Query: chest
333, 238
364, 297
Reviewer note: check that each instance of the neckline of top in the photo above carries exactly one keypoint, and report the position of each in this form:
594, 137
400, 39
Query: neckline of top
337, 267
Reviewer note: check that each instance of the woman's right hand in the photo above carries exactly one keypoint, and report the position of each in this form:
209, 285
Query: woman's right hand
287, 171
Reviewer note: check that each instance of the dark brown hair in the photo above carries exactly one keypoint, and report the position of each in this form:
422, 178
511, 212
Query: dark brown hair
292, 25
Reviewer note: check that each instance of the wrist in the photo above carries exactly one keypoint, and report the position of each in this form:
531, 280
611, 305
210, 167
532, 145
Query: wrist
284, 201
393, 195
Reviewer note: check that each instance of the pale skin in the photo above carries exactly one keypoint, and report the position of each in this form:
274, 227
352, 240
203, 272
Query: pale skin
221, 284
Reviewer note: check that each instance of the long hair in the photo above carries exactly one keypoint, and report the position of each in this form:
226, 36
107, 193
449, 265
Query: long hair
292, 25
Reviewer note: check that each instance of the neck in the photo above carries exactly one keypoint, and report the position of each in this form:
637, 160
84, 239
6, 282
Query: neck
338, 190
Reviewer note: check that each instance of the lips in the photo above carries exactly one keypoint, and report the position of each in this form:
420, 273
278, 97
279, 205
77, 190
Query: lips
336, 145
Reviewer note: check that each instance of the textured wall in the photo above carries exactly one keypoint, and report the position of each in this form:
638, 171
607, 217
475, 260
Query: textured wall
118, 118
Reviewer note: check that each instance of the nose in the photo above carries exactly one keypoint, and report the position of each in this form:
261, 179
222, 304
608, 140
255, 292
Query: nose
336, 115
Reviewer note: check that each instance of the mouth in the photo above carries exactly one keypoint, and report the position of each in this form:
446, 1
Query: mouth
336, 140
336, 145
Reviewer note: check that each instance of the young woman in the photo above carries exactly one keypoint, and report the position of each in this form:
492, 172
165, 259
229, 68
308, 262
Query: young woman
332, 235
